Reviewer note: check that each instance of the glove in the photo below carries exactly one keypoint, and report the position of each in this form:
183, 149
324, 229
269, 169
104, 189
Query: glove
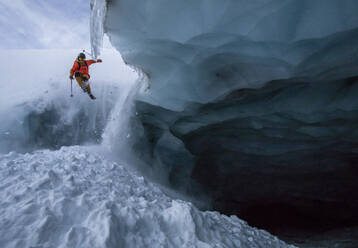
71, 77
99, 60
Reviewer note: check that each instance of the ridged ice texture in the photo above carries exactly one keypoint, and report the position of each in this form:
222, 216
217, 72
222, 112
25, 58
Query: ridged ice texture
195, 51
253, 100
75, 198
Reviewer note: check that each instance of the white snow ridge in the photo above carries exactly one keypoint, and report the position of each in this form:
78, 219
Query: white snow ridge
74, 198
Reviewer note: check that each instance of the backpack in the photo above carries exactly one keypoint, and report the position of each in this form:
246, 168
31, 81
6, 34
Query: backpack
79, 64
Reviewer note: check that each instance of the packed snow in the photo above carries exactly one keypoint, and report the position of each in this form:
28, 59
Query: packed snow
74, 197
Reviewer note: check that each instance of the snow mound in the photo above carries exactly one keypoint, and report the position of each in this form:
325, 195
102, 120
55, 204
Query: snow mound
74, 198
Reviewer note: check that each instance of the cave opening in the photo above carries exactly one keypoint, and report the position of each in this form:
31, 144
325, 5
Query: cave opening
294, 226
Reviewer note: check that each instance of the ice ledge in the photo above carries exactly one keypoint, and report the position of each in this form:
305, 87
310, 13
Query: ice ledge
198, 51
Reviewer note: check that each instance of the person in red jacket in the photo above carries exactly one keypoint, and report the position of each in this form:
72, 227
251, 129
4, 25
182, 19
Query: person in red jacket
80, 70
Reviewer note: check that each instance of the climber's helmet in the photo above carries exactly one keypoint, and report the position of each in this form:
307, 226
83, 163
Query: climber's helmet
81, 56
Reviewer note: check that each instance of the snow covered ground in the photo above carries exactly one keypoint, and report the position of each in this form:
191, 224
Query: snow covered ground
59, 191
73, 197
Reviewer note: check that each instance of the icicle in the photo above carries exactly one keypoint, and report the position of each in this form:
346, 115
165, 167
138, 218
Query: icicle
98, 14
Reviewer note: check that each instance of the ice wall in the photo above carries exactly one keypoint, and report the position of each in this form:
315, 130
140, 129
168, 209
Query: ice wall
251, 102
98, 13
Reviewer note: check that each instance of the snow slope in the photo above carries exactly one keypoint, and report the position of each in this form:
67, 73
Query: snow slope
73, 197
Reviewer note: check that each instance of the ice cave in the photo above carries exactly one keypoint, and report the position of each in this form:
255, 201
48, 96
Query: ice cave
251, 104
217, 124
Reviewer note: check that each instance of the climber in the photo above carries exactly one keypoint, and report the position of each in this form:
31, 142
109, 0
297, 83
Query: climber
80, 70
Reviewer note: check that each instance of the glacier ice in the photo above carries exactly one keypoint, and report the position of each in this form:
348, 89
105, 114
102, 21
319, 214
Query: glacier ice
98, 12
252, 101
217, 43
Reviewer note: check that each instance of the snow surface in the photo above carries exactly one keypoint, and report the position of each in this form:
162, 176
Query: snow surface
74, 197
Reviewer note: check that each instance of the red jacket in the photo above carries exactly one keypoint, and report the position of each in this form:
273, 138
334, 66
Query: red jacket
84, 66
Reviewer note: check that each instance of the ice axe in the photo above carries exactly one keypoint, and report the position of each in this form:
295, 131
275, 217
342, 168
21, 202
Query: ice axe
88, 53
71, 89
